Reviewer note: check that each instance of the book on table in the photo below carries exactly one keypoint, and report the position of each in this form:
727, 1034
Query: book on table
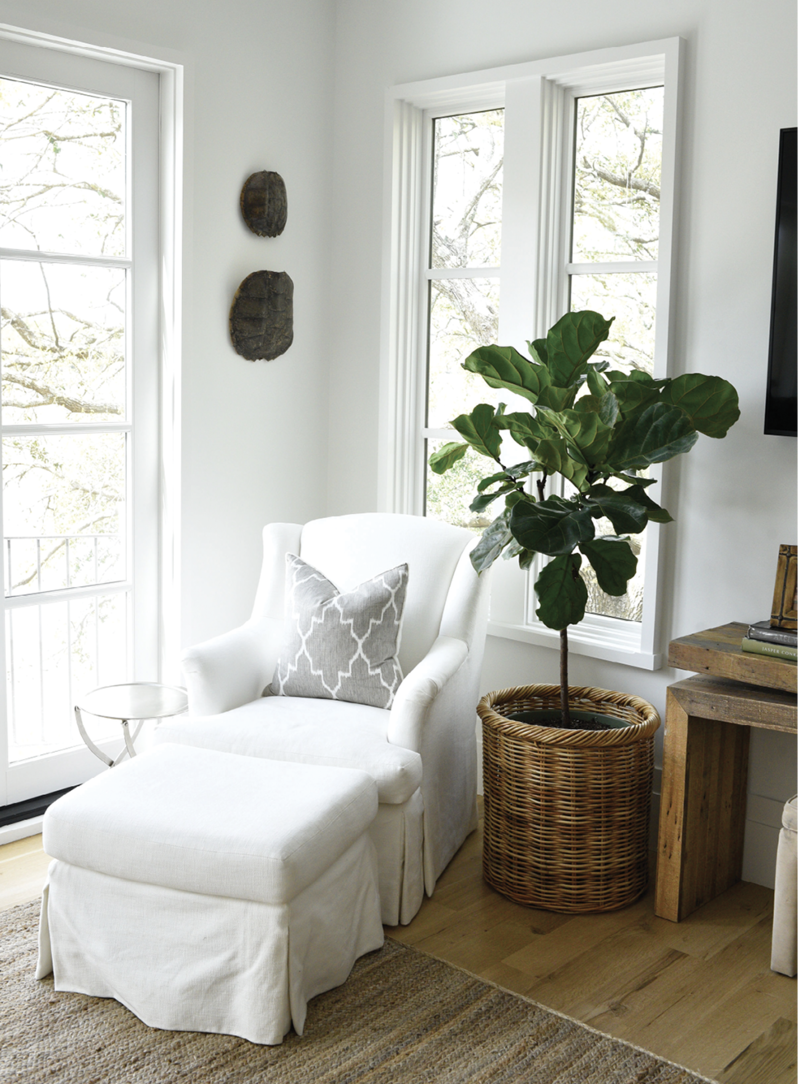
776, 651
764, 631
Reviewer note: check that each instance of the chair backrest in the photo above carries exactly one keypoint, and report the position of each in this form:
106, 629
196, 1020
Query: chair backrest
351, 549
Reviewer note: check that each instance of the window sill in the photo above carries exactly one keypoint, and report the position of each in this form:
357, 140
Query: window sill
579, 644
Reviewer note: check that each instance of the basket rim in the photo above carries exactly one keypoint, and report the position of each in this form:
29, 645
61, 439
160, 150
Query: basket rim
549, 735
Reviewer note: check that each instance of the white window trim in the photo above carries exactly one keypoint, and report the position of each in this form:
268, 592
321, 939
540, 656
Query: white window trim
56, 770
537, 286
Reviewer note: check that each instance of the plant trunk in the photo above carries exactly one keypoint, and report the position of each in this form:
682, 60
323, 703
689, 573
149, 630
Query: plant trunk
564, 680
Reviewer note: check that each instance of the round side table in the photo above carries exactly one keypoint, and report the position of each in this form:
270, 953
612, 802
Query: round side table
134, 702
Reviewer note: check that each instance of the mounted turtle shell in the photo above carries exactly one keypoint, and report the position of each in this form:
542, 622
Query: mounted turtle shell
263, 203
262, 314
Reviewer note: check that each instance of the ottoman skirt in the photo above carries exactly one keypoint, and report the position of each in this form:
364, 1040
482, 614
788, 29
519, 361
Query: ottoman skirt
186, 955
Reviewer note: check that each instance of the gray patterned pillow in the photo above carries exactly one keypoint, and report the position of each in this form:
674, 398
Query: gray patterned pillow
340, 646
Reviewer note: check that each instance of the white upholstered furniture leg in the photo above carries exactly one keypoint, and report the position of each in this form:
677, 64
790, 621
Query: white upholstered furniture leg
784, 922
211, 892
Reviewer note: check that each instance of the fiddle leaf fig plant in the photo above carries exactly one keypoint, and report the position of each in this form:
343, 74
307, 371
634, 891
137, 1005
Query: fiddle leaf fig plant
595, 427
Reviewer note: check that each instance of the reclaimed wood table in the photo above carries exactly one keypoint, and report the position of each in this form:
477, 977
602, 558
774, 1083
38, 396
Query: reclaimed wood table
706, 745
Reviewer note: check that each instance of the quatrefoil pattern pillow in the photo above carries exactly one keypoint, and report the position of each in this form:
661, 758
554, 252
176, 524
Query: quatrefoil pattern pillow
341, 646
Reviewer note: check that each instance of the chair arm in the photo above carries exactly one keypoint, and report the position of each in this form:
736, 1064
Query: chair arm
232, 669
419, 689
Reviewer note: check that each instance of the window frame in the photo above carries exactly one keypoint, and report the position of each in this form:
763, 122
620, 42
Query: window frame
533, 277
153, 396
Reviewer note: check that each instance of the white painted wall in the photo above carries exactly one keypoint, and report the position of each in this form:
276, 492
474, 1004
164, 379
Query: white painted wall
254, 438
734, 501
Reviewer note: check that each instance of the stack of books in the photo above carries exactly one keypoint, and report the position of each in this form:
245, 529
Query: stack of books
763, 639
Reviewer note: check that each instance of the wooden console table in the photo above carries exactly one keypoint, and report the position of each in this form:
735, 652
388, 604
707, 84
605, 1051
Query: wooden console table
706, 744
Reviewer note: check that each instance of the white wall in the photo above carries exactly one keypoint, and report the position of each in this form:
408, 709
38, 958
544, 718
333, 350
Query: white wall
734, 501
258, 78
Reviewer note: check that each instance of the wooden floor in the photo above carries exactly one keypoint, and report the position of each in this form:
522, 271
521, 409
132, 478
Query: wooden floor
699, 993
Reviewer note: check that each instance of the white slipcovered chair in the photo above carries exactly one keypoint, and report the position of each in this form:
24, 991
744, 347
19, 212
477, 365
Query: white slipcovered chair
421, 751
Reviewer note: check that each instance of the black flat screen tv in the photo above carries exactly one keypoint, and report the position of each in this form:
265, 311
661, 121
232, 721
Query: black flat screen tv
781, 414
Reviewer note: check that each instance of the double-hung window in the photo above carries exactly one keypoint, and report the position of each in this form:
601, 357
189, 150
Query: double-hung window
518, 194
82, 361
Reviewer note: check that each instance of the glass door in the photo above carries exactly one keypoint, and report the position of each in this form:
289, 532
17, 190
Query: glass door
70, 409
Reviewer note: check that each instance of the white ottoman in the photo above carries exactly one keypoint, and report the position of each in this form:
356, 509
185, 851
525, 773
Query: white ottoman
211, 892
784, 919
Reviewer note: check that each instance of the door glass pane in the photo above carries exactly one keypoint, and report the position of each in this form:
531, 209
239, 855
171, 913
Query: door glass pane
467, 189
618, 176
463, 316
63, 181
64, 510
631, 300
63, 342
55, 652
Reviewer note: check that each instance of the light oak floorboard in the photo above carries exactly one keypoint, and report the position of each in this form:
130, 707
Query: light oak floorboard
699, 992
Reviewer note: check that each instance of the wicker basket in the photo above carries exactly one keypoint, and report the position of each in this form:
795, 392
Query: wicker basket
566, 812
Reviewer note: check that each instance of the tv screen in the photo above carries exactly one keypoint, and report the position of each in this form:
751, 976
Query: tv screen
781, 412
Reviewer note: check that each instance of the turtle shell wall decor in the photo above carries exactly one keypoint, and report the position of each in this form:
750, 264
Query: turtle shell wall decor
263, 203
261, 316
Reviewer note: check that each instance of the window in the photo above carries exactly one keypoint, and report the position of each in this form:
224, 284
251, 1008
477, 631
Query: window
518, 194
80, 400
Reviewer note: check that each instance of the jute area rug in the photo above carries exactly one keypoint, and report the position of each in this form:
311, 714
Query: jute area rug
401, 1016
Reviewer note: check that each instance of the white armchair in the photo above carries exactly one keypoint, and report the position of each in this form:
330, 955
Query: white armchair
422, 751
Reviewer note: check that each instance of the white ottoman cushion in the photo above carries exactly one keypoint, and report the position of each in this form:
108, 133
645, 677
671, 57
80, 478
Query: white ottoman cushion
211, 892
210, 822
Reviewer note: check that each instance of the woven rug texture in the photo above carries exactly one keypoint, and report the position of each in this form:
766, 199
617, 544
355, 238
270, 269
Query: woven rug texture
401, 1016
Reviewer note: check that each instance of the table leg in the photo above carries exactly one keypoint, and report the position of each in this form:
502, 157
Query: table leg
82, 730
703, 802
128, 738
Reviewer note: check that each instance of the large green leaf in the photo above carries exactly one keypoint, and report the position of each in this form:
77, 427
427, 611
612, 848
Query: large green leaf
613, 562
557, 398
524, 428
571, 342
609, 409
519, 470
588, 434
633, 395
554, 456
711, 402
446, 456
479, 430
657, 434
552, 527
627, 515
597, 384
505, 367
654, 511
538, 351
492, 543
561, 592
483, 500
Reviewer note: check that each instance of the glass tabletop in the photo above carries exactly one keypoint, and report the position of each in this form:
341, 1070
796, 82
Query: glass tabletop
138, 700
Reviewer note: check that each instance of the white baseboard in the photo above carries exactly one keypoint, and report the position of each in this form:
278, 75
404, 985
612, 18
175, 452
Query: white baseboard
9, 833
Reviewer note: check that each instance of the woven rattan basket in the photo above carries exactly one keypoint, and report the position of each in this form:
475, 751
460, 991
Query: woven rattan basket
566, 812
